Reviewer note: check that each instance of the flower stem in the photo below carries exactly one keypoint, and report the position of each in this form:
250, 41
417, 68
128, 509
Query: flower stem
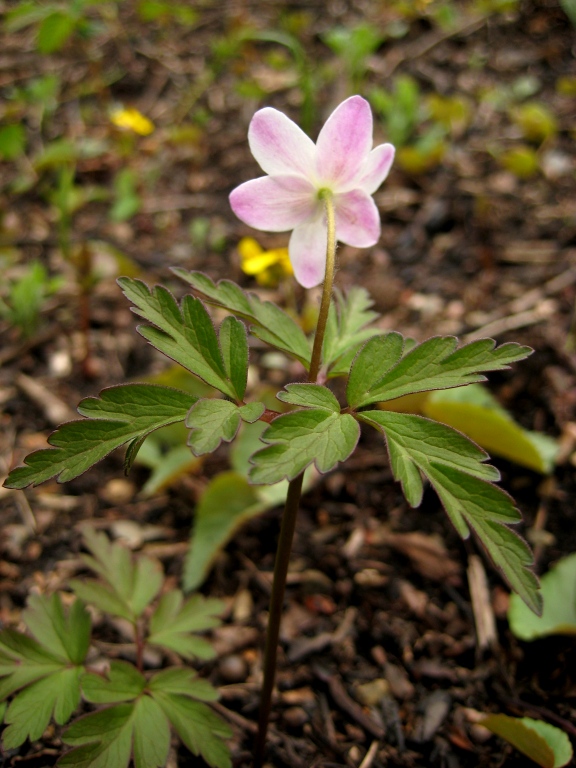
292, 503
327, 287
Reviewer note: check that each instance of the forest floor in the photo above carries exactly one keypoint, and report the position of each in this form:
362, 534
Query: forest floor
379, 662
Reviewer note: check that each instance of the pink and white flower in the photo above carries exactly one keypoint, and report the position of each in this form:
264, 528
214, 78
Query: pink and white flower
288, 198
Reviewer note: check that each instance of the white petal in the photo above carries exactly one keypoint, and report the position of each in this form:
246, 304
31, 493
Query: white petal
376, 168
274, 203
344, 143
279, 145
307, 250
357, 219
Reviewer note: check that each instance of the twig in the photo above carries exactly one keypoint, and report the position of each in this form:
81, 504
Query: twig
482, 607
347, 704
524, 706
370, 756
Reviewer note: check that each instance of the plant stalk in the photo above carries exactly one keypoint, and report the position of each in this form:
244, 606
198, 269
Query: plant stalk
292, 503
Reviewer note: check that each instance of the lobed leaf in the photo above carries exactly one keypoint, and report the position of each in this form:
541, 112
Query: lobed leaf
488, 510
29, 713
67, 636
174, 621
309, 396
123, 682
130, 584
212, 421
298, 439
23, 660
200, 729
414, 442
120, 415
269, 322
234, 346
454, 467
184, 682
109, 737
383, 371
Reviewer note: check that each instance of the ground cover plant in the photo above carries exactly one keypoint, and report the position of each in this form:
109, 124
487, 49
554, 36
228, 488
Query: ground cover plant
376, 640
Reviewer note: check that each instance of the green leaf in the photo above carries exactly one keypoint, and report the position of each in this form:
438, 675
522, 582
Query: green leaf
54, 31
199, 728
108, 738
474, 411
101, 596
130, 584
122, 683
269, 322
559, 614
65, 636
174, 621
487, 510
414, 443
151, 734
121, 414
184, 682
23, 661
228, 501
454, 466
310, 396
543, 743
168, 467
301, 438
346, 329
104, 738
12, 141
28, 715
376, 357
234, 346
212, 421
380, 372
184, 333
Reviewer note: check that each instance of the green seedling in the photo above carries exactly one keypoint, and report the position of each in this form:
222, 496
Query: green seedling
26, 296
46, 673
354, 45
55, 22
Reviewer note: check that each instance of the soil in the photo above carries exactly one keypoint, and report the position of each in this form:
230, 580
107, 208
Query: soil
380, 663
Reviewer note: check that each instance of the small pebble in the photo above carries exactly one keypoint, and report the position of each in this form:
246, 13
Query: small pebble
233, 668
295, 717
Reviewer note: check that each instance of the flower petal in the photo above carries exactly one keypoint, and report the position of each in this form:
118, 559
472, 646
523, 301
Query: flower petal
344, 142
279, 145
307, 250
357, 219
376, 168
274, 203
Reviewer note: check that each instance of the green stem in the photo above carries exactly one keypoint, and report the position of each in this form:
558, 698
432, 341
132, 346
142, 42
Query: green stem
288, 525
326, 289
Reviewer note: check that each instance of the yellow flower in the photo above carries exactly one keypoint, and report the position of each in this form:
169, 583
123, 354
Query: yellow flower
268, 267
132, 120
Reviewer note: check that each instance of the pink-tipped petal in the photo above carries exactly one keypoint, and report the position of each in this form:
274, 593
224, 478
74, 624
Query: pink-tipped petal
307, 250
274, 203
279, 145
376, 168
357, 219
344, 142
